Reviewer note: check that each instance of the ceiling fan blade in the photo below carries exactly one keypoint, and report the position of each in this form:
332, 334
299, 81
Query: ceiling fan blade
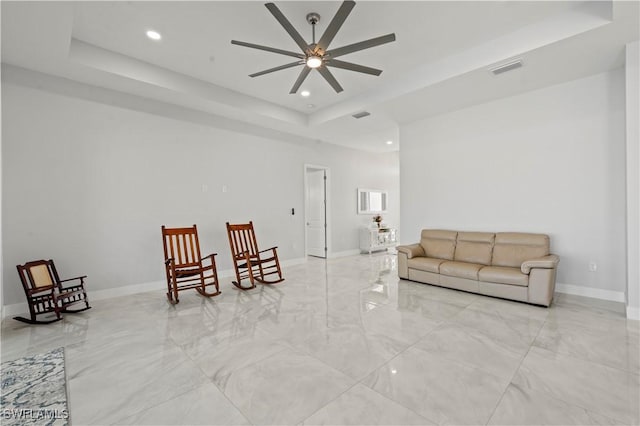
352, 67
281, 67
303, 75
295, 35
372, 42
324, 71
335, 24
268, 49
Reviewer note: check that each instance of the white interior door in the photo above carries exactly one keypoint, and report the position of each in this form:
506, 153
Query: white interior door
316, 212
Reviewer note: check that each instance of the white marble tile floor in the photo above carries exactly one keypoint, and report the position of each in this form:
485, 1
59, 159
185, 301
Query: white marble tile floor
343, 342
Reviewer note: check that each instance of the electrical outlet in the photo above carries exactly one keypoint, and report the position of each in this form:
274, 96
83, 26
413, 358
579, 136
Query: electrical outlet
205, 188
224, 188
593, 266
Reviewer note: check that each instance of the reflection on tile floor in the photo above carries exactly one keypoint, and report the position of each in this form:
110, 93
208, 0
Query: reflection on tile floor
343, 341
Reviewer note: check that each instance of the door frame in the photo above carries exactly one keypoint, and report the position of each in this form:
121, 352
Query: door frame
327, 210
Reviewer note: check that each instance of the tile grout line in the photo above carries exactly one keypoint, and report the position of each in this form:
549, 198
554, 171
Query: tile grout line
570, 403
356, 381
210, 380
517, 370
117, 420
412, 345
390, 360
582, 358
587, 410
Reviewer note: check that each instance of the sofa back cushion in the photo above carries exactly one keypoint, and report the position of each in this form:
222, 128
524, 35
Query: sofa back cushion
513, 248
474, 247
438, 243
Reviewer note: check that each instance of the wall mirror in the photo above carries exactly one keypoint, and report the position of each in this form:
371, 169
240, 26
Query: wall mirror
372, 201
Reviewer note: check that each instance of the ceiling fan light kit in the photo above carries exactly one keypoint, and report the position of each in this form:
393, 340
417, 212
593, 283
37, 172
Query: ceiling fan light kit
317, 55
314, 61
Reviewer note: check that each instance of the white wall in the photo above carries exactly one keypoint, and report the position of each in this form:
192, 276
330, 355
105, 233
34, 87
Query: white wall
89, 185
549, 161
632, 90
1, 264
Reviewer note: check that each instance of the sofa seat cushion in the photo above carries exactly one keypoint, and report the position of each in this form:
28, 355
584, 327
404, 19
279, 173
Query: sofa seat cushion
503, 275
427, 264
461, 270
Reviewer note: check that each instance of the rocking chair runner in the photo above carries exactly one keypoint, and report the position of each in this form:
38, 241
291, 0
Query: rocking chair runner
46, 293
184, 265
248, 260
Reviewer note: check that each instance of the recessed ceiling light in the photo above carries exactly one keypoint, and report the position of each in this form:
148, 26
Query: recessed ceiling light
305, 93
389, 142
153, 35
311, 106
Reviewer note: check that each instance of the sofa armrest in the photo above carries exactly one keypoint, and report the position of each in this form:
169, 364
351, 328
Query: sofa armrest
546, 262
413, 250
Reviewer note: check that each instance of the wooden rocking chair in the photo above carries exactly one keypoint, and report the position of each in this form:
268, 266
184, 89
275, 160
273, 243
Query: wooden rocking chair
248, 260
47, 294
184, 266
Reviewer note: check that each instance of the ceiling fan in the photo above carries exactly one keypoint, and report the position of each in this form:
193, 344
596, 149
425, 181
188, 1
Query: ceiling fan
317, 55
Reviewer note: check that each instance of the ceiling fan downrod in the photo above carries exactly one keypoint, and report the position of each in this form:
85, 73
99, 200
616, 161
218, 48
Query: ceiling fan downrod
313, 18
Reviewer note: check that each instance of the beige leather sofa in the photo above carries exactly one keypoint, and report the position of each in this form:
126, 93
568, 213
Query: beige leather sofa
509, 265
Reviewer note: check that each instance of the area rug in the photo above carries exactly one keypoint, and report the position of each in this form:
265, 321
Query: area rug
34, 390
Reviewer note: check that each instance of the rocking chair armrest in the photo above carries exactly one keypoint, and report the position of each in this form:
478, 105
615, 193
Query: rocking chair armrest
212, 262
272, 248
212, 255
169, 261
74, 287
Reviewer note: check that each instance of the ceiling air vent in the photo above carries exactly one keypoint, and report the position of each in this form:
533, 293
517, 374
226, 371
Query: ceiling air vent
502, 68
361, 114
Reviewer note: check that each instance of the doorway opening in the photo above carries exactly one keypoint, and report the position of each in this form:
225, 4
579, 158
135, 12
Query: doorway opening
316, 203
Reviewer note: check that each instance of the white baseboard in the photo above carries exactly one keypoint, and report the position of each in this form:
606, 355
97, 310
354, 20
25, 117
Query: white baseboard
633, 313
160, 286
594, 293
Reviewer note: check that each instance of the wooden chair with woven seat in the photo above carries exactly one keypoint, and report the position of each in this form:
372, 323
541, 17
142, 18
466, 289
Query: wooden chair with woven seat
250, 262
184, 267
47, 293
